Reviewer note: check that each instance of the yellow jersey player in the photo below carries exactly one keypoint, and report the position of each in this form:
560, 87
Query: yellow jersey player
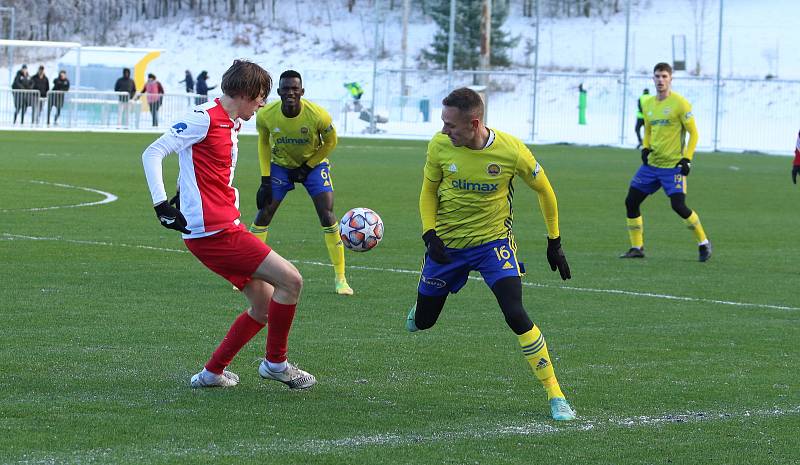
466, 213
666, 161
295, 137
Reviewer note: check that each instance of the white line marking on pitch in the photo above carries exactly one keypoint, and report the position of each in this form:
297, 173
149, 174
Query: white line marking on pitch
480, 432
108, 198
9, 236
537, 428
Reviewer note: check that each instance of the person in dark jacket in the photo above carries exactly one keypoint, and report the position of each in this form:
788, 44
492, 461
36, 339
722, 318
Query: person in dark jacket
56, 97
125, 84
42, 84
202, 88
22, 99
189, 81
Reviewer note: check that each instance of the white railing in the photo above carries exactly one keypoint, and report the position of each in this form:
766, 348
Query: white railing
92, 109
754, 115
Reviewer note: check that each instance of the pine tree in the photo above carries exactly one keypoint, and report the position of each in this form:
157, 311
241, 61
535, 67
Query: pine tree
467, 44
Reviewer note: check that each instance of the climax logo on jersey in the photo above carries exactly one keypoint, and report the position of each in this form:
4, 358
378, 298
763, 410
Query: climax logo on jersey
474, 186
178, 128
536, 170
453, 168
493, 169
292, 140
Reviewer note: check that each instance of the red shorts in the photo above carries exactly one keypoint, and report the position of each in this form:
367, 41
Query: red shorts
233, 253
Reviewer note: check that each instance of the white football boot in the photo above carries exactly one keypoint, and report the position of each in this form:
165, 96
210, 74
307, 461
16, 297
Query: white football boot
293, 377
206, 379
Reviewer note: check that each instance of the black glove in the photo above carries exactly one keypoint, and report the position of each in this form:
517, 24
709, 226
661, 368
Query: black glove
645, 153
170, 217
685, 165
264, 194
300, 173
556, 258
176, 200
795, 170
436, 247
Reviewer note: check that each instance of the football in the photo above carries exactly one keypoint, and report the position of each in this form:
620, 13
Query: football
361, 229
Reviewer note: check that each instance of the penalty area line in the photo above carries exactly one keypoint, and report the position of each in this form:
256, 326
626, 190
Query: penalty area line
652, 295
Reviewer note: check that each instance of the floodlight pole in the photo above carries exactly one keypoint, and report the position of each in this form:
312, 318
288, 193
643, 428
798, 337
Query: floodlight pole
78, 70
450, 43
625, 72
372, 128
10, 48
535, 71
719, 71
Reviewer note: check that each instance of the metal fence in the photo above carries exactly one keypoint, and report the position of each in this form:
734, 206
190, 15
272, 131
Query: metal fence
92, 109
754, 115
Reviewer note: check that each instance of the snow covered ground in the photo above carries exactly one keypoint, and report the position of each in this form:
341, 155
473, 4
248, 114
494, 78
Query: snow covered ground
331, 47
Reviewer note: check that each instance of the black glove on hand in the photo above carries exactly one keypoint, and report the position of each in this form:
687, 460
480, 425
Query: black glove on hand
176, 200
300, 173
795, 171
685, 165
556, 258
645, 153
170, 217
264, 194
436, 247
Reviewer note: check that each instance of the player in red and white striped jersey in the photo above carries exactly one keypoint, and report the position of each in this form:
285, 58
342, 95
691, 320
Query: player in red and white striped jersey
206, 212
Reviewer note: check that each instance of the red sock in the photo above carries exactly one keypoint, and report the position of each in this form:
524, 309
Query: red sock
280, 318
242, 330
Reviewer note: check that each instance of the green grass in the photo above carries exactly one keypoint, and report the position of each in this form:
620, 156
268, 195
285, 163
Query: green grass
99, 337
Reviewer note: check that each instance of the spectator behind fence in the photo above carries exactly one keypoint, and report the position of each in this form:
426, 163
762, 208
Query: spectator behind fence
202, 88
188, 81
42, 84
125, 84
22, 100
155, 95
56, 97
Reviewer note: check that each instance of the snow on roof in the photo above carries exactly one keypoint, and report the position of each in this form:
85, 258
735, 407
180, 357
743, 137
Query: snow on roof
107, 56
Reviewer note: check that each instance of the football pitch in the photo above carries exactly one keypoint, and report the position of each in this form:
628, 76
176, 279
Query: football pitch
105, 316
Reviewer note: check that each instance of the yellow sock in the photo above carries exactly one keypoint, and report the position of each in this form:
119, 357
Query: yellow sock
636, 232
693, 223
335, 249
535, 351
260, 232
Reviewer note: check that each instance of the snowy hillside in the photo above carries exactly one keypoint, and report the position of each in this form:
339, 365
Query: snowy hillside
759, 38
331, 46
